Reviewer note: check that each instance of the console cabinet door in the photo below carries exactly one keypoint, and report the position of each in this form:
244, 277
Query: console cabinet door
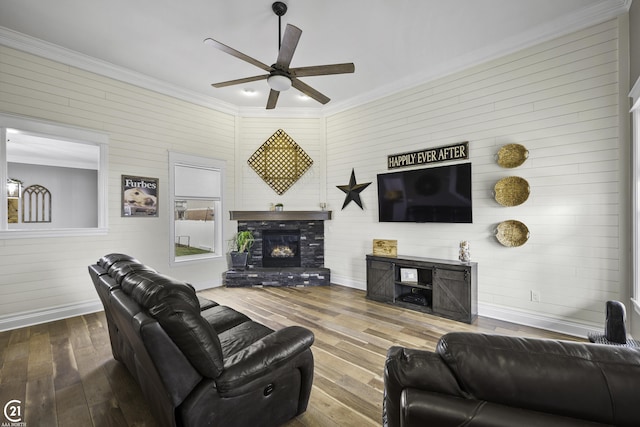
452, 294
380, 280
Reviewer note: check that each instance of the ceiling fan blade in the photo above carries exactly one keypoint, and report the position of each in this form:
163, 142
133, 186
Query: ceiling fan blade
309, 91
323, 70
240, 81
237, 54
273, 99
288, 46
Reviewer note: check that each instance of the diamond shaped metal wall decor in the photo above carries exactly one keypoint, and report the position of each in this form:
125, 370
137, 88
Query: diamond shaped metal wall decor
280, 162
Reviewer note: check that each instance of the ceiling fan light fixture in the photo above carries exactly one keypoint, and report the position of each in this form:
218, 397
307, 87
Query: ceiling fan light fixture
279, 82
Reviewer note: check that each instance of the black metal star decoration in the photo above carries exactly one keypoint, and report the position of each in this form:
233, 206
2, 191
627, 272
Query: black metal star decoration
353, 190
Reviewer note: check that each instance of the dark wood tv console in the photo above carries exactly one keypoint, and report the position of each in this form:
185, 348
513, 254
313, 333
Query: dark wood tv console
441, 287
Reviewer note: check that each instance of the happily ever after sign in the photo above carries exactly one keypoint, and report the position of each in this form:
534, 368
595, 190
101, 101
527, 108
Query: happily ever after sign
431, 155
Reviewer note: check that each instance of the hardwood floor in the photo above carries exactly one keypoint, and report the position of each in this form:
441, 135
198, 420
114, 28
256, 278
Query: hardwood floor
63, 372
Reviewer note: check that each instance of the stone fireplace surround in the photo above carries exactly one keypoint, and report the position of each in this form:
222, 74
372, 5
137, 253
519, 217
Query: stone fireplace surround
311, 270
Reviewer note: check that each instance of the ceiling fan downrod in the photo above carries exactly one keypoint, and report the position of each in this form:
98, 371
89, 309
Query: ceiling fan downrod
279, 8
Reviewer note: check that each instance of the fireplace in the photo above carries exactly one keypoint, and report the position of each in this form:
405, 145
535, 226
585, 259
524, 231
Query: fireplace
288, 249
281, 248
309, 249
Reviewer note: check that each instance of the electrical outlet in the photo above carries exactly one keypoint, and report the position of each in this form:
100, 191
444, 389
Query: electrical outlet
535, 296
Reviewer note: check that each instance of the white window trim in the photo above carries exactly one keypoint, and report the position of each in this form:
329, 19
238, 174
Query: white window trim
635, 140
189, 160
55, 131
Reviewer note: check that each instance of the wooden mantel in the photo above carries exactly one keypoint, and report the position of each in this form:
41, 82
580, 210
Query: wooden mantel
280, 215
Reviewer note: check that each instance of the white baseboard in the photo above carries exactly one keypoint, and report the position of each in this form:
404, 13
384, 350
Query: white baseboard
201, 286
536, 320
350, 283
36, 317
506, 314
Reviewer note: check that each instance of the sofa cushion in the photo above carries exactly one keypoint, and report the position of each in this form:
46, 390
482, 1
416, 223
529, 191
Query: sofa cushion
223, 318
242, 336
195, 337
206, 303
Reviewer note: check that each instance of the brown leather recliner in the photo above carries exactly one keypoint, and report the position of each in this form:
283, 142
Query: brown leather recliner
480, 380
199, 363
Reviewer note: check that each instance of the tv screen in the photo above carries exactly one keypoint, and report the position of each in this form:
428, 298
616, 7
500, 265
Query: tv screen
437, 194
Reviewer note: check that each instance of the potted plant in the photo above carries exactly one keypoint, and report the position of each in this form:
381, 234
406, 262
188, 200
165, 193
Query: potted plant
240, 246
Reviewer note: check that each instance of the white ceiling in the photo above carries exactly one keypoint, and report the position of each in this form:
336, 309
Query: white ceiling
394, 44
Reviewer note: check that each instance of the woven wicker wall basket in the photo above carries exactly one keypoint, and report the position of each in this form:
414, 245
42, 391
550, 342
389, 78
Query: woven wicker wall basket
512, 233
511, 191
512, 155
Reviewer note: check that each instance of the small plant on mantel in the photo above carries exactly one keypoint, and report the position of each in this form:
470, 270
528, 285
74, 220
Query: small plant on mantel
240, 246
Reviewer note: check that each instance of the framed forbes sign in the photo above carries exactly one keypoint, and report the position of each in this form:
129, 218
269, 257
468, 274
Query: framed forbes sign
139, 196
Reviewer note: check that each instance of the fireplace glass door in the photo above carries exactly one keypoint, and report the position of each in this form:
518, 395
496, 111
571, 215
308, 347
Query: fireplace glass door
281, 248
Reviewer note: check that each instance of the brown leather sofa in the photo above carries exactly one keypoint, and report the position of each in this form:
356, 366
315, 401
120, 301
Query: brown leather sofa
199, 363
479, 380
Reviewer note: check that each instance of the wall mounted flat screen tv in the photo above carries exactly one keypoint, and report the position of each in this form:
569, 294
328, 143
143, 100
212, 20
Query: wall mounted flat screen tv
436, 194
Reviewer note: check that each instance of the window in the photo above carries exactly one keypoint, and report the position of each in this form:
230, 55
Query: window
55, 179
196, 185
635, 170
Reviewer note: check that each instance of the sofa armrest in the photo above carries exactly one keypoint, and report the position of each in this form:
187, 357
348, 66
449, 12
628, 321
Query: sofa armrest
418, 369
411, 368
264, 355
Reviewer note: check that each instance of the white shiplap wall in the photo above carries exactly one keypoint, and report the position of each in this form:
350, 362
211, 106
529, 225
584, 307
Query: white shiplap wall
47, 278
561, 100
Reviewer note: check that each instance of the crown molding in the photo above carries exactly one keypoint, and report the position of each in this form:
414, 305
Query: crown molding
559, 27
564, 25
53, 52
280, 112
44, 49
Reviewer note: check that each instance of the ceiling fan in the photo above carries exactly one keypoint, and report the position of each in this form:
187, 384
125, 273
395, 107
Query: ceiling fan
280, 77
